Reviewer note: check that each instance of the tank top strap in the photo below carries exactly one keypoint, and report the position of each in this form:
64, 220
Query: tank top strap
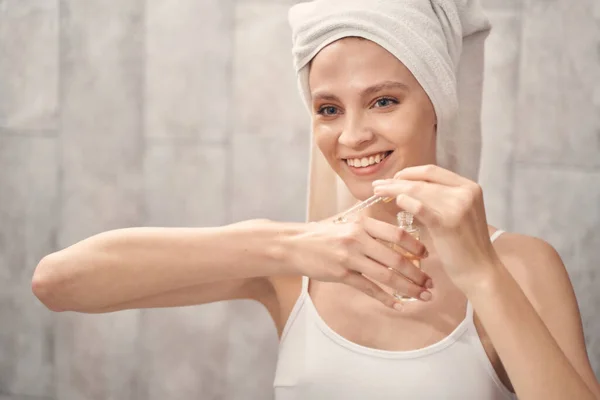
496, 235
469, 312
304, 289
298, 305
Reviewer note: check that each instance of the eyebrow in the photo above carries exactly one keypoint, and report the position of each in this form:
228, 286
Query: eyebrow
324, 96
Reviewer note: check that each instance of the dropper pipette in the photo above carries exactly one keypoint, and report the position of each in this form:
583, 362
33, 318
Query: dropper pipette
360, 207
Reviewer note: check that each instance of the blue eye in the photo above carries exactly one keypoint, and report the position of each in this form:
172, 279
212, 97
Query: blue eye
327, 110
385, 102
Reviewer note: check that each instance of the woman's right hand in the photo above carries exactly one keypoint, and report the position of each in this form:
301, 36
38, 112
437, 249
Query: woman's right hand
351, 252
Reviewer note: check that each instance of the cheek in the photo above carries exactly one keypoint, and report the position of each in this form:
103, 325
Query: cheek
405, 127
398, 129
325, 139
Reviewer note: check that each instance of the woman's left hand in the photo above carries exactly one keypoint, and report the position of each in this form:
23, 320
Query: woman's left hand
451, 208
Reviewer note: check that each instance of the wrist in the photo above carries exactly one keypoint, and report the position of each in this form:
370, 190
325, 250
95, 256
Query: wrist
275, 242
487, 282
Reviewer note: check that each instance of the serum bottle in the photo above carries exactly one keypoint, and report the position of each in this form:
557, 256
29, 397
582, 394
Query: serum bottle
406, 222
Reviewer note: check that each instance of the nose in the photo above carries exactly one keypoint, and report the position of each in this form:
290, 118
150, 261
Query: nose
355, 133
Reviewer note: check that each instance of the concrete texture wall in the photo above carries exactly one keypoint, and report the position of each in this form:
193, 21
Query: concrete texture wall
171, 113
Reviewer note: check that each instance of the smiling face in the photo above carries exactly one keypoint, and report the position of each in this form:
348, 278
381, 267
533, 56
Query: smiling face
371, 118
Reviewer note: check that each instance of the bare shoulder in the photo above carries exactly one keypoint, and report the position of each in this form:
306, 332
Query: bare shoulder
524, 249
541, 274
536, 266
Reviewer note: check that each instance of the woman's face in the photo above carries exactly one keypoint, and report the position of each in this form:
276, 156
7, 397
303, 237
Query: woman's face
371, 118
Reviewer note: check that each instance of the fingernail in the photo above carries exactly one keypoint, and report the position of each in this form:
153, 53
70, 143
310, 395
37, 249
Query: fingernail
378, 182
398, 306
425, 296
429, 284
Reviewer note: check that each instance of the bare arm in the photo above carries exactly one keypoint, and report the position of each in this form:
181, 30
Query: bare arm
528, 309
165, 267
520, 291
259, 289
158, 267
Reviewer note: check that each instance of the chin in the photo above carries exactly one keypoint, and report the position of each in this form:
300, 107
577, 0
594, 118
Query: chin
360, 190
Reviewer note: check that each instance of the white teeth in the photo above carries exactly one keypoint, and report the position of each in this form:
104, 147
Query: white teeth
366, 161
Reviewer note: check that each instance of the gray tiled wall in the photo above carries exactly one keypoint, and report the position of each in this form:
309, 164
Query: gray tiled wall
101, 146
186, 112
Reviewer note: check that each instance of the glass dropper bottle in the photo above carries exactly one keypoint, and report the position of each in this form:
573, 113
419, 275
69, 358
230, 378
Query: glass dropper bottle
406, 222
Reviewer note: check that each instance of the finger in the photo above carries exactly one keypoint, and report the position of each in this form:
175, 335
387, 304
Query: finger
392, 234
432, 173
391, 258
359, 282
390, 278
423, 213
420, 188
432, 195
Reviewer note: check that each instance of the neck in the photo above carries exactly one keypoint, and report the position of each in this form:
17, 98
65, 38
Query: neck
385, 212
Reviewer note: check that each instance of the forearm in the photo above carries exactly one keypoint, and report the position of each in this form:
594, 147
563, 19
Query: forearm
122, 265
537, 367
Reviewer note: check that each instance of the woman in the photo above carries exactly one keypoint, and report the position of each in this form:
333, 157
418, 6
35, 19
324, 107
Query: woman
491, 318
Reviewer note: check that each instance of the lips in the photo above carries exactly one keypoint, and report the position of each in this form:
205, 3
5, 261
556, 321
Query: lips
366, 161
368, 165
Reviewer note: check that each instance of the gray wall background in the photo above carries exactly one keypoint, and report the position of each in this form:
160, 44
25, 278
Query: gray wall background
157, 112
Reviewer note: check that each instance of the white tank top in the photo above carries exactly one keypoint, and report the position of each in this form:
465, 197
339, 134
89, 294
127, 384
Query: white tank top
316, 363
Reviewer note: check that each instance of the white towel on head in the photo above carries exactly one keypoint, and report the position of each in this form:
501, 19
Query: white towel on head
439, 41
